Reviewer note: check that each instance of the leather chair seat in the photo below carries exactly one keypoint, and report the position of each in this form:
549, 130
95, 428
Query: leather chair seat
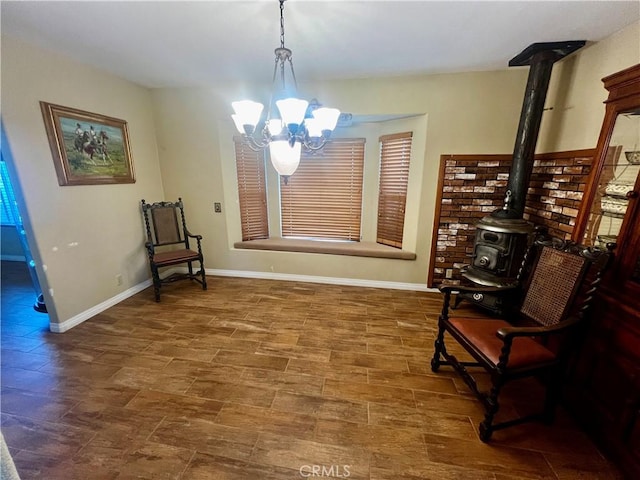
174, 256
525, 352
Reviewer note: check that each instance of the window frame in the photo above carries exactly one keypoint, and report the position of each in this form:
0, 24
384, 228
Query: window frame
371, 131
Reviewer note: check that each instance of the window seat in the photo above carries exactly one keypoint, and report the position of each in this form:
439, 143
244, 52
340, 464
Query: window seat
356, 249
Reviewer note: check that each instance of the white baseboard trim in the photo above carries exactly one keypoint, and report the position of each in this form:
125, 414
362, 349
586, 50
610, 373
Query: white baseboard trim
101, 307
327, 280
13, 258
87, 314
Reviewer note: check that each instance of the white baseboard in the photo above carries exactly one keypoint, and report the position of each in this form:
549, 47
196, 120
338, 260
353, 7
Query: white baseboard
327, 280
101, 307
87, 314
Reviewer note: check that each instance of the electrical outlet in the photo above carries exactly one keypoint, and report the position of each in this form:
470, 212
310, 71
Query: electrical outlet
119, 279
217, 207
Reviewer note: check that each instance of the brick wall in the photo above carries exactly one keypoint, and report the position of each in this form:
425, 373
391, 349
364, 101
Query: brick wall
473, 186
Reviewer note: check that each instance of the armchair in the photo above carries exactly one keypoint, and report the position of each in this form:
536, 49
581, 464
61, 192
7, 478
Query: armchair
555, 287
168, 243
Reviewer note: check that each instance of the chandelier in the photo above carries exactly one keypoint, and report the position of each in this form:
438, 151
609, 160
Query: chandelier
297, 124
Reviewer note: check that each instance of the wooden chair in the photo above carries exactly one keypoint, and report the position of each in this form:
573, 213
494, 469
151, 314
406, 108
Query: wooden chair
555, 287
168, 243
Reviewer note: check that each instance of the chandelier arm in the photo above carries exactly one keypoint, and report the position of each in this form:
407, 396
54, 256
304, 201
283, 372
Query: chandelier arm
282, 78
293, 73
251, 145
273, 88
316, 145
256, 145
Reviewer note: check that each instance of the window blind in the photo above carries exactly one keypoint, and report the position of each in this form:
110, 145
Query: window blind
252, 191
7, 198
395, 154
323, 198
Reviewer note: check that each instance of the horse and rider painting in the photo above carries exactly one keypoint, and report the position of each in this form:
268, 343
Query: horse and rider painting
87, 148
90, 143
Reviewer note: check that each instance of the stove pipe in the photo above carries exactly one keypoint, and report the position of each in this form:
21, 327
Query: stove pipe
541, 57
502, 236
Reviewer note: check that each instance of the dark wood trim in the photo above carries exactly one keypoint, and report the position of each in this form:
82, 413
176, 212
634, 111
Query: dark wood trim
436, 218
623, 89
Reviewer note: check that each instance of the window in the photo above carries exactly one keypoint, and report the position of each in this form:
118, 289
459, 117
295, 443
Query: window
10, 214
323, 198
395, 153
252, 191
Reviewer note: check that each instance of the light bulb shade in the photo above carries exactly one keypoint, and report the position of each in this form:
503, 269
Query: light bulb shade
285, 158
292, 110
314, 128
274, 125
238, 123
247, 112
327, 117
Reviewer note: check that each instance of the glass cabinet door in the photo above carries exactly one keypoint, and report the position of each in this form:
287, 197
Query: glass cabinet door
617, 182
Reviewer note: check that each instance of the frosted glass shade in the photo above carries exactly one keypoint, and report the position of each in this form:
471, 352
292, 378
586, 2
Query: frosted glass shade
285, 159
247, 113
274, 126
238, 122
314, 127
292, 110
327, 117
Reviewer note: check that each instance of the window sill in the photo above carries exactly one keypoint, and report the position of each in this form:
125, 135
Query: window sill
356, 249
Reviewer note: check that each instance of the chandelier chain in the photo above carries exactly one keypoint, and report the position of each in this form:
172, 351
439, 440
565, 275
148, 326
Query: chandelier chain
301, 124
281, 23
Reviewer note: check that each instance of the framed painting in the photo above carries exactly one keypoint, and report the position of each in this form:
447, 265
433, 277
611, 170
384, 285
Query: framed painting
87, 148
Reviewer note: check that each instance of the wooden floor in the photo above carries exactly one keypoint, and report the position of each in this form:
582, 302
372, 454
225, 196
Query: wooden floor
258, 379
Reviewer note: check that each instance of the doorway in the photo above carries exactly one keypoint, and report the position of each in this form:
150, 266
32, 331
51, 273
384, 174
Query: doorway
22, 305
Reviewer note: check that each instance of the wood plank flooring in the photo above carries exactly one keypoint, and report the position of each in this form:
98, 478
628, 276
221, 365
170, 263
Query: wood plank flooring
257, 379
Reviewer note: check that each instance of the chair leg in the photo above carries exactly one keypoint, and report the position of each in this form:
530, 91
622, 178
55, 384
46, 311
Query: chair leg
491, 408
204, 277
156, 283
439, 347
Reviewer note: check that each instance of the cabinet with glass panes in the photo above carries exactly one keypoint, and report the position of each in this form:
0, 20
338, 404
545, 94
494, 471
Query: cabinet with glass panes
616, 182
604, 386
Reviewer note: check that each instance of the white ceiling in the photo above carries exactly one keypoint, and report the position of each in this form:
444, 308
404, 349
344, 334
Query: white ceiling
198, 43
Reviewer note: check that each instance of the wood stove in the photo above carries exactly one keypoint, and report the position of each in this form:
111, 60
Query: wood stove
503, 236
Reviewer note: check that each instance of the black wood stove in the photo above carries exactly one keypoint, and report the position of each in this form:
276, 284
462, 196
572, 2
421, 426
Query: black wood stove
503, 236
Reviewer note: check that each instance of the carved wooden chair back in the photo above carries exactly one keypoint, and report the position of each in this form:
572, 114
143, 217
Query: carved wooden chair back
163, 226
168, 243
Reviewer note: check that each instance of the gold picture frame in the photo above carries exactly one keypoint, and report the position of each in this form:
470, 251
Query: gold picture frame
87, 148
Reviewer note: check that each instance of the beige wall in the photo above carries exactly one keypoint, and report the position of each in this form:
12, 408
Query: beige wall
576, 91
461, 113
181, 146
83, 235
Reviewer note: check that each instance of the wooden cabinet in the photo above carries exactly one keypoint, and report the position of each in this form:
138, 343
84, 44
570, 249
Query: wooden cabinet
604, 387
